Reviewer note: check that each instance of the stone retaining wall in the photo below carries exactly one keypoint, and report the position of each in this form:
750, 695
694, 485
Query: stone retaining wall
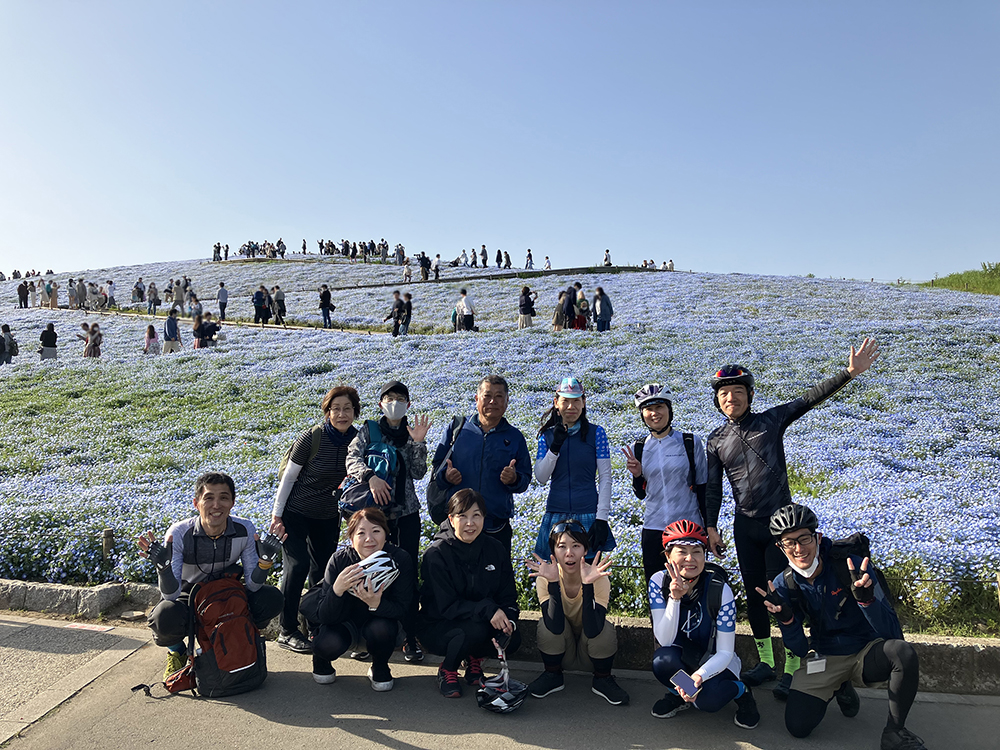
969, 666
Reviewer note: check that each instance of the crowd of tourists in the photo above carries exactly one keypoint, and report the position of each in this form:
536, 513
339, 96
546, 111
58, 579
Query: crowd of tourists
364, 599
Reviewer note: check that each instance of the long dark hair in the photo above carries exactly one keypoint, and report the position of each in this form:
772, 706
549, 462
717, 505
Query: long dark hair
552, 417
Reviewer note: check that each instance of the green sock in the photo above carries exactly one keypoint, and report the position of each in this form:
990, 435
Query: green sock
792, 662
765, 651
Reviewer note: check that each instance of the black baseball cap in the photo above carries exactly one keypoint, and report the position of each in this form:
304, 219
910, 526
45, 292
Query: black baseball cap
394, 386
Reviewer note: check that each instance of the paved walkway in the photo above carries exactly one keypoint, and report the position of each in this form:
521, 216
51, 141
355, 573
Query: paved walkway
44, 665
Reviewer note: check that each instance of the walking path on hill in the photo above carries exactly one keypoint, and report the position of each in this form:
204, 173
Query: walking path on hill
291, 711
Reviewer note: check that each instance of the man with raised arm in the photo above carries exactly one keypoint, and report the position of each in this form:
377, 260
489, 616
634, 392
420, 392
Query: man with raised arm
749, 448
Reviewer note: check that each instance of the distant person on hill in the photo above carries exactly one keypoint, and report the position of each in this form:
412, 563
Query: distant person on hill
436, 266
466, 312
43, 292
607, 258
196, 307
569, 307
152, 345
6, 345
582, 310
404, 329
602, 310
260, 310
153, 299
22, 295
396, 313
529, 262
759, 481
48, 340
222, 296
278, 305
484, 257
506, 259
209, 329
54, 295
559, 316
304, 508
526, 308
171, 333
203, 548
407, 272
464, 258
71, 293
225, 251
548, 264
81, 294
112, 302
325, 306
475, 259
425, 267
196, 332
94, 340
670, 264
499, 258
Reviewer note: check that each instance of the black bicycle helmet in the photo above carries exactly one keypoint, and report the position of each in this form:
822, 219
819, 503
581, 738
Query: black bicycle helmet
792, 517
733, 375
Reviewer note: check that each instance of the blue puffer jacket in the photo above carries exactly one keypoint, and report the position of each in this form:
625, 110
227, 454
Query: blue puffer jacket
572, 488
480, 458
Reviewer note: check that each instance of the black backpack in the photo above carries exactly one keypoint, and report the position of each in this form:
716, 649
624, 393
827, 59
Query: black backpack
437, 499
857, 545
691, 658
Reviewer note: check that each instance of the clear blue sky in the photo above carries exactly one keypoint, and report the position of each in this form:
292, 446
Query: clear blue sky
852, 139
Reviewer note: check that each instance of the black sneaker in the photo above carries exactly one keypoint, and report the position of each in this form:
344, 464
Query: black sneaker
848, 700
758, 675
669, 706
747, 715
412, 650
546, 683
448, 683
904, 739
607, 688
780, 691
296, 642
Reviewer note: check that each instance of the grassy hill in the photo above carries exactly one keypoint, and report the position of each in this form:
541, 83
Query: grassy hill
909, 453
984, 281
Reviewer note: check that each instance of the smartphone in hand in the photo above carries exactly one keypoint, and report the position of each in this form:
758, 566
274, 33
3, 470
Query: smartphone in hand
685, 682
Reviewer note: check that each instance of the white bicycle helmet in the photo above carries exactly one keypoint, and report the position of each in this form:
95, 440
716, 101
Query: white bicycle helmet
653, 393
380, 571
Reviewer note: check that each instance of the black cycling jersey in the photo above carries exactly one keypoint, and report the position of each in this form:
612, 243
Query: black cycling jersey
752, 452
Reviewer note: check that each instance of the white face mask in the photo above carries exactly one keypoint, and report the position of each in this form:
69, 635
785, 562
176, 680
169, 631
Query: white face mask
810, 571
394, 410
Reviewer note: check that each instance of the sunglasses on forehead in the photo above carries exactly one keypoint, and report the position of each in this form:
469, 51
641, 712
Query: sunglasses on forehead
571, 525
730, 372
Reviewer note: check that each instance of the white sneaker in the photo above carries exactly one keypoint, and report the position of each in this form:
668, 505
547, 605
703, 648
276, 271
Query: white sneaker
325, 679
380, 687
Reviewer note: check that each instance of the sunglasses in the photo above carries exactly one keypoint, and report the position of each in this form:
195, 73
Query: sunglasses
571, 525
730, 373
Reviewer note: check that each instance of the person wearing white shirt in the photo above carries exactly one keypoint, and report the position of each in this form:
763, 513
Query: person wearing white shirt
465, 312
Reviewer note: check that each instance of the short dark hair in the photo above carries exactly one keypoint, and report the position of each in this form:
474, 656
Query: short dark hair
337, 392
372, 514
214, 477
494, 380
464, 499
525, 290
462, 291
578, 535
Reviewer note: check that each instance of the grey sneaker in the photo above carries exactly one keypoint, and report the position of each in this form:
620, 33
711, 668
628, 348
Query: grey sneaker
381, 683
669, 706
902, 739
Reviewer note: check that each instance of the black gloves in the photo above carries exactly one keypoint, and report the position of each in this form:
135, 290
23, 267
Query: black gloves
863, 594
160, 555
599, 534
784, 614
268, 549
558, 438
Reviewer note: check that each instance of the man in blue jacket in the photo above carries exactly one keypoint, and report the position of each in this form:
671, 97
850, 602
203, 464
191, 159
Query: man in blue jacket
490, 456
854, 634
171, 333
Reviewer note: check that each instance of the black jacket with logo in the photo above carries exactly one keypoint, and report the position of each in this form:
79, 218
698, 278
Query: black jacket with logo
466, 581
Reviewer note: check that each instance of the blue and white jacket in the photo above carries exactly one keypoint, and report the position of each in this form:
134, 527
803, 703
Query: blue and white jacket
573, 470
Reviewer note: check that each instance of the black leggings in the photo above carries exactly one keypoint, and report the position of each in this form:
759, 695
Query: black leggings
895, 661
404, 532
332, 641
653, 560
457, 639
307, 550
760, 561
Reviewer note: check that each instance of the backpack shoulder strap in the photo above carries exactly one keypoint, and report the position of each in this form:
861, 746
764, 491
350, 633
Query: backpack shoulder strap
637, 449
689, 449
315, 440
457, 423
374, 433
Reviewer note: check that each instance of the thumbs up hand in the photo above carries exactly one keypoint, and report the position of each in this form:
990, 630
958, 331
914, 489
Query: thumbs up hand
509, 476
451, 474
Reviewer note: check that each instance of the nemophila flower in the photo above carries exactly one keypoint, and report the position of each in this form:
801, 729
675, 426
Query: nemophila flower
909, 453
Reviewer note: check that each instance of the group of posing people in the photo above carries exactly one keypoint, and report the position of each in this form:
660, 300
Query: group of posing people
467, 603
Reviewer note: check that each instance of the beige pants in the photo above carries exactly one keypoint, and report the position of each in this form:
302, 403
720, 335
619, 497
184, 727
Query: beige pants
524, 321
171, 346
577, 649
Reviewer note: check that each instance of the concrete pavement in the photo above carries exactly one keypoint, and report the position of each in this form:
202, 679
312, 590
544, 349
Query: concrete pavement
291, 711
